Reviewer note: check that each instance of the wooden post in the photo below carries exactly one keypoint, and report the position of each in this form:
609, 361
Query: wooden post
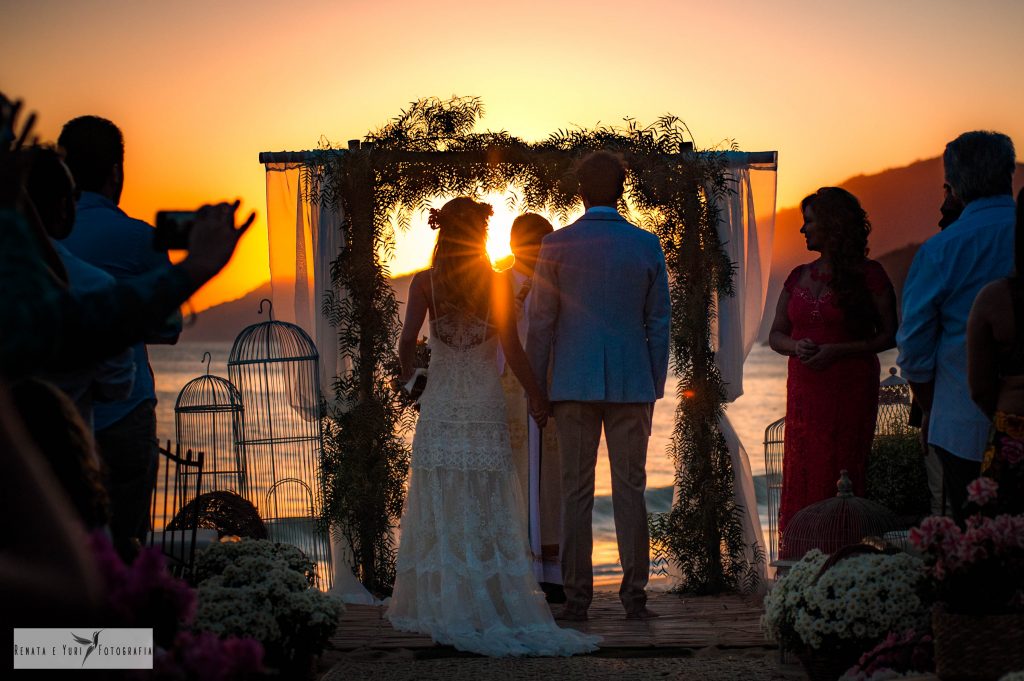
359, 190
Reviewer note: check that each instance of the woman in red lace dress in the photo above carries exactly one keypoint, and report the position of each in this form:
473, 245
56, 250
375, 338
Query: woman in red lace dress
834, 315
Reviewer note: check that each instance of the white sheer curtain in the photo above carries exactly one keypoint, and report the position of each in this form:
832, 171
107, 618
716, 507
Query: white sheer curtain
746, 229
304, 237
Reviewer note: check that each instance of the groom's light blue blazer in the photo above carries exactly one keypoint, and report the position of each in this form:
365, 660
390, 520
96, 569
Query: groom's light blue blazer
600, 312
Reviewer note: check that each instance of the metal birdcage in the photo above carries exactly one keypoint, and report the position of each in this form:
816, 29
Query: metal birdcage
209, 418
893, 405
275, 366
774, 447
831, 524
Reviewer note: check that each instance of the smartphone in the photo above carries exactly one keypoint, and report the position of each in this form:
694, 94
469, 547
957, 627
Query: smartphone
172, 229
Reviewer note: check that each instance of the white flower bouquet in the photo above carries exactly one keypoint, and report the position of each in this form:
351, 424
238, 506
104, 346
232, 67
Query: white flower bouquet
781, 604
263, 591
852, 605
214, 559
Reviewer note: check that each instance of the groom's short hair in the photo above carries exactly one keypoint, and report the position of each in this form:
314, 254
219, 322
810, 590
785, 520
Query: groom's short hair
601, 176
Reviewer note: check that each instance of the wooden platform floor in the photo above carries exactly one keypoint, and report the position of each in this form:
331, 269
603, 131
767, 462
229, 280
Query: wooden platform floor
686, 623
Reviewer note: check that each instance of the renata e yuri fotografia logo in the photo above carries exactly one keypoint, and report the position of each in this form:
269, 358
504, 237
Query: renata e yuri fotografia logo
83, 648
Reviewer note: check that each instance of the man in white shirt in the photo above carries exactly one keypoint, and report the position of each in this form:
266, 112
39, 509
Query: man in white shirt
946, 275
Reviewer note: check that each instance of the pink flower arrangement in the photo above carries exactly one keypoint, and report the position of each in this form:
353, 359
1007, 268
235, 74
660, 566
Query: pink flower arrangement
910, 651
145, 593
977, 570
982, 490
206, 657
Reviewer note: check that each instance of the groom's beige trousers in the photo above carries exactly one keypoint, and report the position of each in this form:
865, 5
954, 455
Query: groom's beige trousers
627, 428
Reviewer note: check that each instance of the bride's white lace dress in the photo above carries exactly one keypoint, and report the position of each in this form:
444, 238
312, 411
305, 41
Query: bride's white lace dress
464, 571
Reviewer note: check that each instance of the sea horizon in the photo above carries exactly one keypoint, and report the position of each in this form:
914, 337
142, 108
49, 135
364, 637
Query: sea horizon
763, 402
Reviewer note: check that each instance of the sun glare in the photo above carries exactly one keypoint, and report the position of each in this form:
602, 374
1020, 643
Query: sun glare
414, 246
499, 229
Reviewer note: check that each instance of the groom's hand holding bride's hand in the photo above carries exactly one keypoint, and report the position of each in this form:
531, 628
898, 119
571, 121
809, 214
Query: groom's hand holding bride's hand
540, 409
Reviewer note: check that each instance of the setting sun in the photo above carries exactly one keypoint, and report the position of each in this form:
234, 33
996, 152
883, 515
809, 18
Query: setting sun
414, 246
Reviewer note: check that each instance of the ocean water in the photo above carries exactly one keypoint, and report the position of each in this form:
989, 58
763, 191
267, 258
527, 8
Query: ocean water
763, 401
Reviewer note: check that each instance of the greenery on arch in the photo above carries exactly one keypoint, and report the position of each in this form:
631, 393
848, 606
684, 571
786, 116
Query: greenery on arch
431, 150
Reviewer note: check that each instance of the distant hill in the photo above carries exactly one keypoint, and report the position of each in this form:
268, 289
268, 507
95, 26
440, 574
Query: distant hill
903, 206
223, 322
897, 264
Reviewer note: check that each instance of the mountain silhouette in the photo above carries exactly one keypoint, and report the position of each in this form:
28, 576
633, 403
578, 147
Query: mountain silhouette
222, 323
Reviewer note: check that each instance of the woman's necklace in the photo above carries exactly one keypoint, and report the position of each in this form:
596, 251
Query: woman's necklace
823, 275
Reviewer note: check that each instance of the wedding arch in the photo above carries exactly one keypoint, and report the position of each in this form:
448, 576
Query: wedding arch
332, 215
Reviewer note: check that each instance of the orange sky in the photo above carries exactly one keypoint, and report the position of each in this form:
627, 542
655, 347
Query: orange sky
199, 88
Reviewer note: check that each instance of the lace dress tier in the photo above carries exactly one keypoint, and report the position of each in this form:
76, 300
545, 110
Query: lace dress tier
830, 413
464, 573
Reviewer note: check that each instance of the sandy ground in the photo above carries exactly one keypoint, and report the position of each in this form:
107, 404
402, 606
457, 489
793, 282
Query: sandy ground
705, 664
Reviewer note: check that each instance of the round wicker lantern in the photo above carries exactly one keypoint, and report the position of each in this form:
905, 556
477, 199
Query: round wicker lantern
834, 523
208, 418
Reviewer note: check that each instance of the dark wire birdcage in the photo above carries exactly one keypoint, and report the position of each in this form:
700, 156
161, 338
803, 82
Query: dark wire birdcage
209, 418
831, 524
774, 447
275, 366
893, 406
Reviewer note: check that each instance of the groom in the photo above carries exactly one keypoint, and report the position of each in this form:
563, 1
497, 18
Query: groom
600, 316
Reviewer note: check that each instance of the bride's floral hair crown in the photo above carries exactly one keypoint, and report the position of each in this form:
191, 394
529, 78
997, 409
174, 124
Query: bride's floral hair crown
460, 212
434, 218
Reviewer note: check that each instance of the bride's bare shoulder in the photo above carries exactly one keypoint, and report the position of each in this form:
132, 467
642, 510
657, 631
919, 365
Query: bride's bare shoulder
421, 281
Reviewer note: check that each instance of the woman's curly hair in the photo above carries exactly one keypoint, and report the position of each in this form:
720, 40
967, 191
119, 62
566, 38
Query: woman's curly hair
66, 442
461, 276
845, 226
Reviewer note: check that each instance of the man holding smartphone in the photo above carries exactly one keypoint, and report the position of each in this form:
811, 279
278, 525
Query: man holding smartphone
104, 236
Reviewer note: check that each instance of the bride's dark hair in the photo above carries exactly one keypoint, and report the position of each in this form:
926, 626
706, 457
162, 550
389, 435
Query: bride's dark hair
846, 227
461, 267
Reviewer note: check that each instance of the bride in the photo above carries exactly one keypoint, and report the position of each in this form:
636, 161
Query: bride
464, 574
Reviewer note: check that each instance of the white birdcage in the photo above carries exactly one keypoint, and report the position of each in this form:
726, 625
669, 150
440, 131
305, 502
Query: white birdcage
275, 367
209, 418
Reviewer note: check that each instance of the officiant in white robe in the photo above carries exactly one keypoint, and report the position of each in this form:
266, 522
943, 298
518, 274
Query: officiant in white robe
534, 451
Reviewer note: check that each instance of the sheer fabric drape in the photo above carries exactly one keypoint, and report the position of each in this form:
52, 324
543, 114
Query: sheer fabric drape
746, 229
304, 238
